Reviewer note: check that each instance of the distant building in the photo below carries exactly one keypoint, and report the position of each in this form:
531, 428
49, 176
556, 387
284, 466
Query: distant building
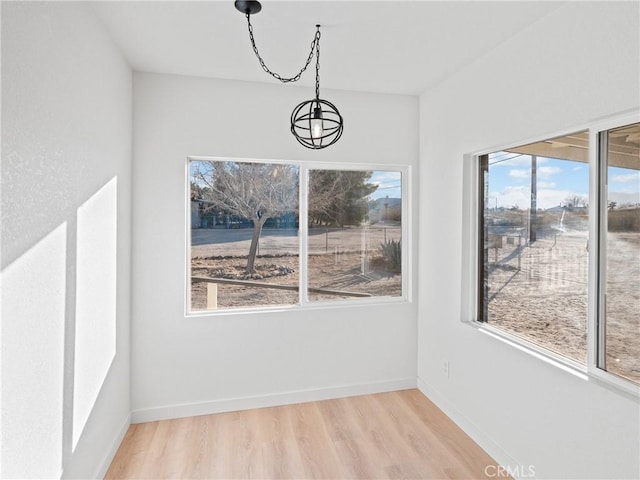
204, 215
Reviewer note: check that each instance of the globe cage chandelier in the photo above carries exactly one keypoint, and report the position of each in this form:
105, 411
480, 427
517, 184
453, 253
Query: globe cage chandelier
315, 123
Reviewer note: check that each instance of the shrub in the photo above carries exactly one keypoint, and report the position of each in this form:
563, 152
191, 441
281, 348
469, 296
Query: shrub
624, 220
392, 255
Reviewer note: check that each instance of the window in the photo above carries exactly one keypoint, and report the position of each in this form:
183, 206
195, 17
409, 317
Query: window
244, 223
619, 339
355, 233
254, 242
535, 243
558, 254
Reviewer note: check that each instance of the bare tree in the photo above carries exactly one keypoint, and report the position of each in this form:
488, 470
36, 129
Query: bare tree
255, 191
575, 201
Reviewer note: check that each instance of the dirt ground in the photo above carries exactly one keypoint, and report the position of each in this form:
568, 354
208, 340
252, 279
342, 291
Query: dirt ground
326, 271
543, 298
336, 262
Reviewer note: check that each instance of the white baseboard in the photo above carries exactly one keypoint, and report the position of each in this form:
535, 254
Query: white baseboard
111, 453
272, 400
485, 442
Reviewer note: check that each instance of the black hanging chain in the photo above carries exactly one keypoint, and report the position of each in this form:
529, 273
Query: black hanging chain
314, 48
317, 40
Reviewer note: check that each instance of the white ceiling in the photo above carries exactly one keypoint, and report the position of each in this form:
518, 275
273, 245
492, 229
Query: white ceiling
402, 47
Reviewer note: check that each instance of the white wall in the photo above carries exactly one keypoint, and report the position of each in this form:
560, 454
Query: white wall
579, 63
66, 182
183, 366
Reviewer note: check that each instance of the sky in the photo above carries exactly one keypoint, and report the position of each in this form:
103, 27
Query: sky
389, 184
510, 181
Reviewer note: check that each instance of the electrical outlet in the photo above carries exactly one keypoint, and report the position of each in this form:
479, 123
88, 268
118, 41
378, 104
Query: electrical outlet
445, 368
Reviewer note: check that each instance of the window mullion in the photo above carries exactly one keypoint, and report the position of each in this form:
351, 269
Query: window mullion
303, 232
601, 253
482, 240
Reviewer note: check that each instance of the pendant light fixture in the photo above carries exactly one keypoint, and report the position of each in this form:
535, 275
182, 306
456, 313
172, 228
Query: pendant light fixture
315, 123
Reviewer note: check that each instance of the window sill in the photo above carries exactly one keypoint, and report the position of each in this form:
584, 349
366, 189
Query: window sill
605, 379
310, 306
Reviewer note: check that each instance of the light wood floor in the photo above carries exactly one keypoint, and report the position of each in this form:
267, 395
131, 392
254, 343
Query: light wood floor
389, 435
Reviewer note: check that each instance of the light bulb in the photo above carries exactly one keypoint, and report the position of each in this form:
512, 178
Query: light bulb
316, 124
316, 128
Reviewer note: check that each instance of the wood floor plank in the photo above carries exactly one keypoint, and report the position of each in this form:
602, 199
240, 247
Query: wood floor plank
177, 451
280, 452
394, 435
384, 446
132, 452
456, 441
320, 459
423, 443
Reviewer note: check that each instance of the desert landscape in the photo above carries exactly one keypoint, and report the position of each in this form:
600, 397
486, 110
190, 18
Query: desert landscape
344, 260
539, 292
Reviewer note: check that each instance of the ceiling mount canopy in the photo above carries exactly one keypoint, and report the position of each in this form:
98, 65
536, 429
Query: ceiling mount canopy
315, 123
248, 7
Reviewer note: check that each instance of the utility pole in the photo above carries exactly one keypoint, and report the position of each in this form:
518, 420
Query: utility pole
534, 200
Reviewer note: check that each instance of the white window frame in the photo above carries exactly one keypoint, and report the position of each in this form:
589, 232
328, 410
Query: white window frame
590, 371
303, 300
